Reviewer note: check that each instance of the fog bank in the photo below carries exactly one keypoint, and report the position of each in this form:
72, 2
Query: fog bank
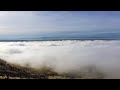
65, 56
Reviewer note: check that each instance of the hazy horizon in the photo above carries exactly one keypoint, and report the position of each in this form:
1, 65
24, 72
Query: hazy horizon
59, 24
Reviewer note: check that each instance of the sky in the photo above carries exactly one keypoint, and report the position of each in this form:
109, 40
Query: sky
58, 23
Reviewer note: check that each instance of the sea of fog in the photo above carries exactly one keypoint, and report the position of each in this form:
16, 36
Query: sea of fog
66, 55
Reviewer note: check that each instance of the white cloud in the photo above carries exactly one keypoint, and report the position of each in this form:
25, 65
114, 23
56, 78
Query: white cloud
65, 56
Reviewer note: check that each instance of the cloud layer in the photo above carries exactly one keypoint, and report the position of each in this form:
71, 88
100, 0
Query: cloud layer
65, 56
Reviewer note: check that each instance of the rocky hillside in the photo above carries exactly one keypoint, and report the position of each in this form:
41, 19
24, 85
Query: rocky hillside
10, 70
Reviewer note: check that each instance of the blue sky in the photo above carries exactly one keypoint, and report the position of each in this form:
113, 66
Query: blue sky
40, 23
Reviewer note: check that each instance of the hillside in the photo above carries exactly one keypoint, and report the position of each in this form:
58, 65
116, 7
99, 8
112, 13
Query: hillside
8, 70
12, 71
